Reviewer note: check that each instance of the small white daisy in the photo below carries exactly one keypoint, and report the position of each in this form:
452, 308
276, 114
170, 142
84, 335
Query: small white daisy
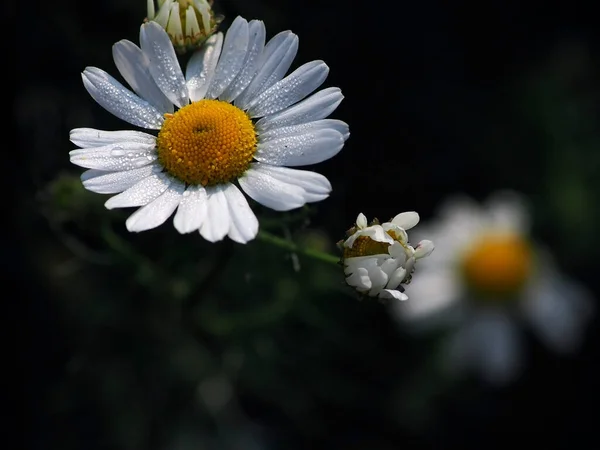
378, 258
232, 117
485, 275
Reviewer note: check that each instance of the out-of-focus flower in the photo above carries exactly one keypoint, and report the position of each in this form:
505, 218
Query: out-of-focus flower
189, 23
377, 257
237, 119
485, 274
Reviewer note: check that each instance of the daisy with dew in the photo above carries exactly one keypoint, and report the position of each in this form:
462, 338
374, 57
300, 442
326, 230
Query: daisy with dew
377, 258
231, 120
485, 279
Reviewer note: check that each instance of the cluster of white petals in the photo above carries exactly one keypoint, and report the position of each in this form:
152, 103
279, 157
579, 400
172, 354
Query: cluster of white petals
381, 274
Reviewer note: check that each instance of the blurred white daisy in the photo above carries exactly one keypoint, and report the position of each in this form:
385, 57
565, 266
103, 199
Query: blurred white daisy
485, 276
378, 258
232, 117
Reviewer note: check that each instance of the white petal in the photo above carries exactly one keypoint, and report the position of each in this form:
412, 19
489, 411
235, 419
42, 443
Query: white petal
133, 66
272, 65
115, 157
390, 293
410, 264
360, 279
201, 67
243, 224
203, 6
157, 211
174, 28
192, 210
432, 294
508, 211
256, 44
351, 265
271, 192
406, 220
103, 182
150, 9
461, 219
120, 101
162, 18
293, 88
374, 232
163, 64
90, 137
318, 106
490, 343
303, 128
300, 150
397, 251
361, 221
559, 311
424, 248
389, 266
141, 193
316, 186
378, 278
283, 189
217, 222
235, 47
192, 27
396, 278
401, 235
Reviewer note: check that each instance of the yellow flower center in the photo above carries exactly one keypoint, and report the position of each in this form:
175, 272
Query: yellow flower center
208, 142
498, 265
365, 246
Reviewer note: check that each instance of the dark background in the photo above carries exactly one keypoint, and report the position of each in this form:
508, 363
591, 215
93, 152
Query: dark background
468, 97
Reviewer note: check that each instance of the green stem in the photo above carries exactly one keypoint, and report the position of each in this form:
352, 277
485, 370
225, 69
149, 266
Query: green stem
286, 244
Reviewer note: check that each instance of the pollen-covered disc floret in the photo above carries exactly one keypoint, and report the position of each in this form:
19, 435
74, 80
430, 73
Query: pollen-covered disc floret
377, 257
232, 122
208, 142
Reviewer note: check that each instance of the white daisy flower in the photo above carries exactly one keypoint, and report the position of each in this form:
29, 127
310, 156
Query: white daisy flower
378, 258
232, 117
484, 277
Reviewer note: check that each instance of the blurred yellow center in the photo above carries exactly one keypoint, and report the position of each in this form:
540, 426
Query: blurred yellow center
365, 246
207, 142
498, 265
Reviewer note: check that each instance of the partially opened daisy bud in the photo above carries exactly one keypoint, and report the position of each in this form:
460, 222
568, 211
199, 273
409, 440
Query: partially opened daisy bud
378, 258
187, 22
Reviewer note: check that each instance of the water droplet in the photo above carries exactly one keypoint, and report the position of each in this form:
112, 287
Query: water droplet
117, 151
186, 193
150, 157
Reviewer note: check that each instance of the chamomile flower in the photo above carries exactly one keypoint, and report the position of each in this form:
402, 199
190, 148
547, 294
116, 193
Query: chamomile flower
232, 118
377, 258
484, 281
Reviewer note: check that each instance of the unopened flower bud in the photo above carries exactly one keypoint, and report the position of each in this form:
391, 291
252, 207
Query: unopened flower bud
187, 22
